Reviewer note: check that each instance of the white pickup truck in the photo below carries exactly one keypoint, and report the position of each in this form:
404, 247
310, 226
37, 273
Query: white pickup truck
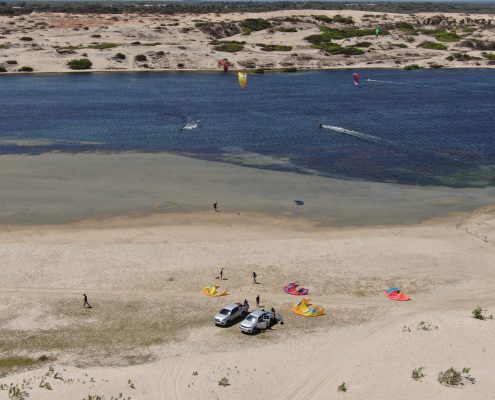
258, 320
230, 313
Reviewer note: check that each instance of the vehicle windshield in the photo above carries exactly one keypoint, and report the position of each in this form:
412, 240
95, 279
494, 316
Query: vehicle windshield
251, 318
224, 311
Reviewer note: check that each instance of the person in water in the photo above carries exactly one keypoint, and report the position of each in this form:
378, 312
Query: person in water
320, 125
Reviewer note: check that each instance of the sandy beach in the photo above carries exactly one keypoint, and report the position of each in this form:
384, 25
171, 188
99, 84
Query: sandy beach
47, 42
150, 334
136, 232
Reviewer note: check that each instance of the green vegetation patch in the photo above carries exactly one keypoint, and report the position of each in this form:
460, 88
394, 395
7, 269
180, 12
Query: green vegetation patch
329, 34
323, 18
362, 44
80, 64
4, 46
447, 36
102, 46
461, 57
228, 46
489, 56
343, 20
406, 28
15, 364
412, 67
334, 48
274, 47
254, 24
433, 46
286, 29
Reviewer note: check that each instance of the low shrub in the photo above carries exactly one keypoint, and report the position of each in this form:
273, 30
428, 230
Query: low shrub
228, 46
224, 382
140, 58
102, 46
3, 69
480, 313
343, 20
362, 44
450, 377
342, 387
447, 36
26, 39
412, 67
275, 47
254, 24
417, 374
433, 46
286, 29
119, 56
80, 64
323, 18
26, 69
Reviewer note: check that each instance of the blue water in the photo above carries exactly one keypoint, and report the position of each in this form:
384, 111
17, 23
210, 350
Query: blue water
419, 127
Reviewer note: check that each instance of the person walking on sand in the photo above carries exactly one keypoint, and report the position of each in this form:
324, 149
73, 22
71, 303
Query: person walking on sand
86, 301
258, 300
246, 304
254, 278
215, 205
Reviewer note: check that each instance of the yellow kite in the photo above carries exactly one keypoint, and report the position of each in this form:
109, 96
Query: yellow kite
242, 76
212, 291
306, 309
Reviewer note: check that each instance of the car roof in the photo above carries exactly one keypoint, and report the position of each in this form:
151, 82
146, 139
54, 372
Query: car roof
258, 313
230, 306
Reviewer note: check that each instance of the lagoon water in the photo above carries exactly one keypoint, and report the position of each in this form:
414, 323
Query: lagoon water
427, 127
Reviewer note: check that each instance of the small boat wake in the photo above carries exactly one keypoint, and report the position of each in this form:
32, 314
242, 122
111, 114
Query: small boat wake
389, 82
350, 132
190, 125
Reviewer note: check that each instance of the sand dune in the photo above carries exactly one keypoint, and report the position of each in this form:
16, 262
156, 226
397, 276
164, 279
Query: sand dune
46, 42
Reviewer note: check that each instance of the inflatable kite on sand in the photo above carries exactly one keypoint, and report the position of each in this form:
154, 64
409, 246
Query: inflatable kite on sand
306, 309
396, 294
213, 291
293, 289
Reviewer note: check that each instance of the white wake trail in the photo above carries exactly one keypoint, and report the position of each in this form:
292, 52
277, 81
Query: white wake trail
350, 132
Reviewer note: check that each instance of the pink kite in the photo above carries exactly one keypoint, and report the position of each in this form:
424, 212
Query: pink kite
293, 289
224, 64
397, 295
356, 78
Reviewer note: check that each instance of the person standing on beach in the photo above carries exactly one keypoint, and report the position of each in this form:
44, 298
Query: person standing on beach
86, 301
258, 300
254, 278
221, 274
215, 205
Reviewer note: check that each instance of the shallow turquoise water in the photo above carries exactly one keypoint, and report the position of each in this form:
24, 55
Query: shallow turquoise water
419, 127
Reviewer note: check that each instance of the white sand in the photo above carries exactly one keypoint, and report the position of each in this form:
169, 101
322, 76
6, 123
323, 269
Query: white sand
186, 47
361, 340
